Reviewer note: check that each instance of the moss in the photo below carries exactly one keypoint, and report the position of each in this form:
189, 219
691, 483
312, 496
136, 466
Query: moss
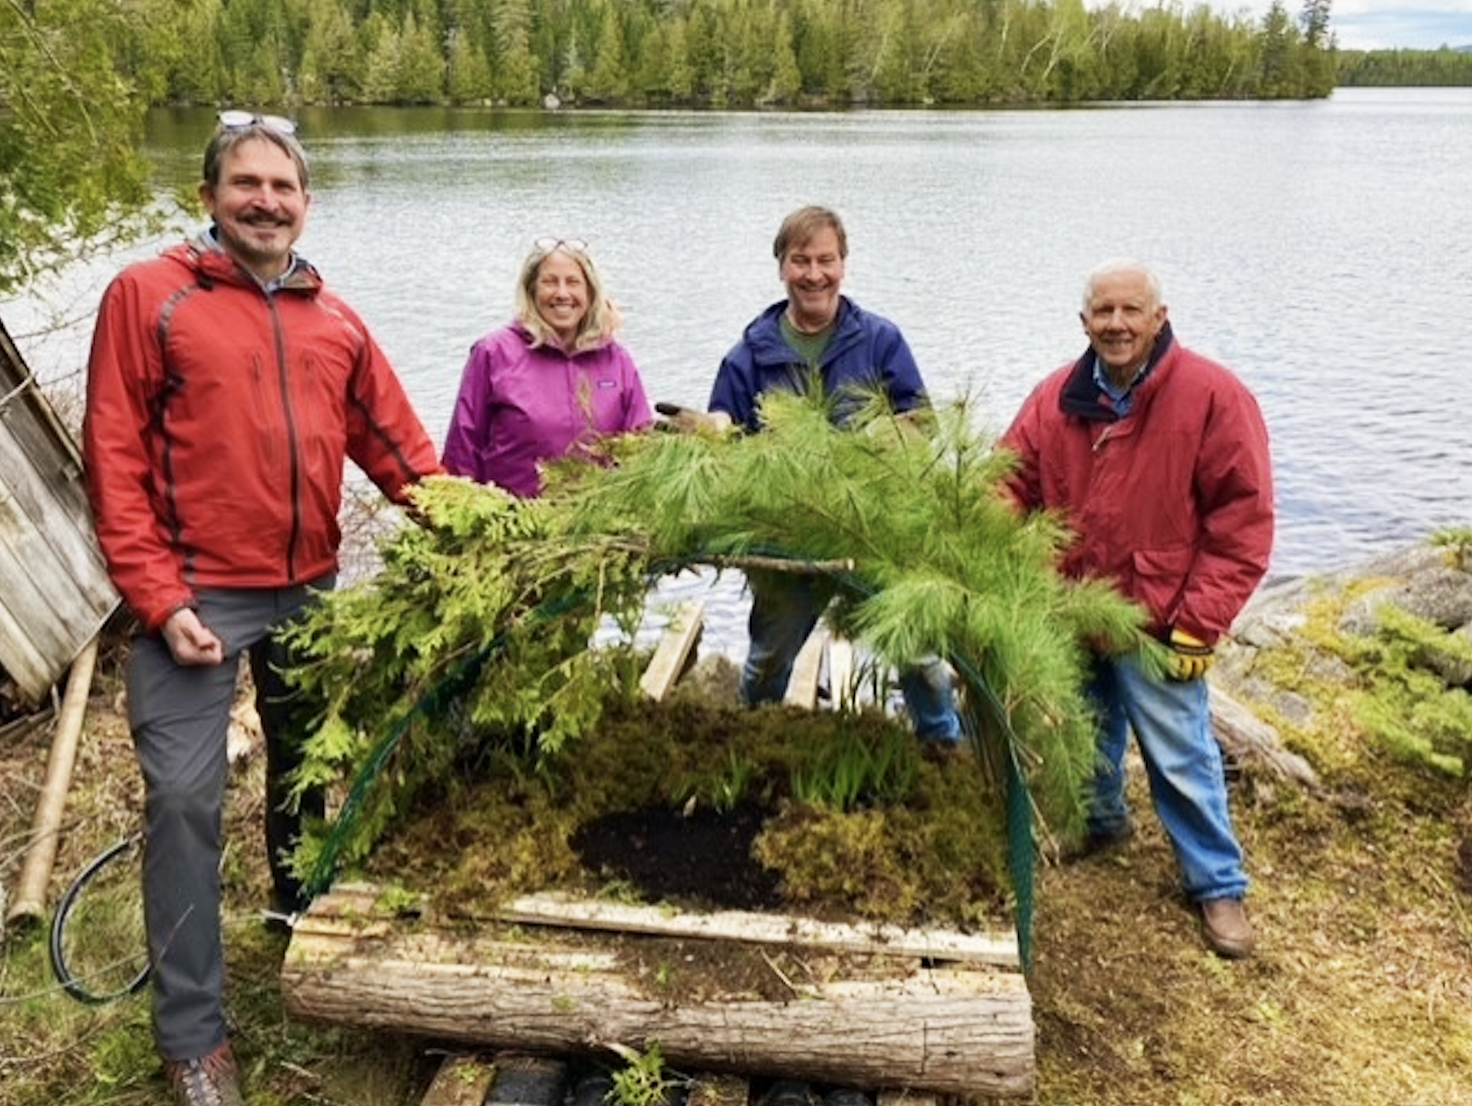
509, 824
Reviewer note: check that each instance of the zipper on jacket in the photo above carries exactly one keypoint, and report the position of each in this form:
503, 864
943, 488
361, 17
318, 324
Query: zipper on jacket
292, 448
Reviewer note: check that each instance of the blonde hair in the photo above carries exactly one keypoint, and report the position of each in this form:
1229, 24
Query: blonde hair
598, 323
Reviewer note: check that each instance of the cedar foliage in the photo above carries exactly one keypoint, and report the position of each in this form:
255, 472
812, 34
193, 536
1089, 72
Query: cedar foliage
484, 614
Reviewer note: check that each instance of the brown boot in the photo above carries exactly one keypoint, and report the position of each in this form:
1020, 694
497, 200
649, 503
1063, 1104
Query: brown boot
1226, 929
209, 1080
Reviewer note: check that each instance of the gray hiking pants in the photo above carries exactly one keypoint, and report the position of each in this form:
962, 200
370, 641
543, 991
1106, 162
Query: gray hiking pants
180, 717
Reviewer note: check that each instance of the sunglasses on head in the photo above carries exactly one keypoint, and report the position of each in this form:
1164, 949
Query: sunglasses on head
571, 245
235, 120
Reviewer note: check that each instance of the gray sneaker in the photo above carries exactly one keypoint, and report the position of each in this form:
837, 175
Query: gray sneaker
210, 1080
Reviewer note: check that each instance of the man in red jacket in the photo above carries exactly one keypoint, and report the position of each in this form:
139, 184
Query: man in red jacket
226, 388
1157, 459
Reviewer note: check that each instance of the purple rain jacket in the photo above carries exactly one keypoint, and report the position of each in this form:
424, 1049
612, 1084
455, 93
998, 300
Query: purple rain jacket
521, 405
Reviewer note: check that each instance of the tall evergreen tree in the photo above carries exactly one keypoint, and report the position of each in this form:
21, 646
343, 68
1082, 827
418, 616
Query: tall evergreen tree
379, 40
607, 81
421, 70
468, 79
516, 68
330, 72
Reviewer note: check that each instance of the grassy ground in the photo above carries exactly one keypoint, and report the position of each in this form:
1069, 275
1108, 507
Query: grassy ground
1361, 994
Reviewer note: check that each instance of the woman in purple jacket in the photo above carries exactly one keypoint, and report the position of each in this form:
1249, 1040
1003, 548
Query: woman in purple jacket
550, 383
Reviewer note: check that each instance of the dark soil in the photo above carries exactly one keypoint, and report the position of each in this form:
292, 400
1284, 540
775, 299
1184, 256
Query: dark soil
703, 857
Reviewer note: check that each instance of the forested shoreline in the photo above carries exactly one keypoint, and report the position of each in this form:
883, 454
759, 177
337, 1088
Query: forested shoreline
730, 53
77, 77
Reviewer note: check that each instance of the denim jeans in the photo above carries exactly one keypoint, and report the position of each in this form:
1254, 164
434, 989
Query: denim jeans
784, 610
1183, 764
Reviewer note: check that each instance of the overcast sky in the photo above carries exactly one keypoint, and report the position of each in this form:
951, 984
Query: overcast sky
1385, 24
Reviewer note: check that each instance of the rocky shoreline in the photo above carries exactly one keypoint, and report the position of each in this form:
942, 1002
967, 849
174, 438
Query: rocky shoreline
1318, 621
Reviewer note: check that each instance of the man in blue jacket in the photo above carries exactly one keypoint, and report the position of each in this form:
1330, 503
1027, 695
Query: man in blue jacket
818, 335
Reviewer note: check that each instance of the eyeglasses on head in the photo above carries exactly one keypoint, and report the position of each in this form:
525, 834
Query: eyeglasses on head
235, 119
547, 244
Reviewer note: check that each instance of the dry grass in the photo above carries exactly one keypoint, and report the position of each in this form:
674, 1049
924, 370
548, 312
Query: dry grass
1361, 994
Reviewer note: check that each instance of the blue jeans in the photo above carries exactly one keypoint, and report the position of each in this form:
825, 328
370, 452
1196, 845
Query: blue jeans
1183, 763
784, 610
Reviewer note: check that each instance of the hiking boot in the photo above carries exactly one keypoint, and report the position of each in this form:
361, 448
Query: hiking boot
210, 1080
1226, 929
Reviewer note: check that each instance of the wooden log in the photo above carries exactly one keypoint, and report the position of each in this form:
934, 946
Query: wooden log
30, 898
1245, 737
897, 1024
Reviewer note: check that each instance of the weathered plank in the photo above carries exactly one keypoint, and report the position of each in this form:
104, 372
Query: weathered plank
673, 651
548, 908
807, 669
946, 1030
54, 591
462, 1080
719, 1090
841, 687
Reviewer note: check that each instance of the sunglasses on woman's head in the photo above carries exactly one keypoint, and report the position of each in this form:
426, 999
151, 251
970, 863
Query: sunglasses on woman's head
571, 245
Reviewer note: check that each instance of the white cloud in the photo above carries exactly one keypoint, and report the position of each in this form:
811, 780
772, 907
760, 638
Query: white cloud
1387, 24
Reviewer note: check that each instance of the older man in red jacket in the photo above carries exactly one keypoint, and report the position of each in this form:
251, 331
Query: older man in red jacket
226, 389
1157, 459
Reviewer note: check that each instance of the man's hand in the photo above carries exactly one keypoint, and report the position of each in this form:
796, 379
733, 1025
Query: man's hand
687, 420
1190, 657
190, 640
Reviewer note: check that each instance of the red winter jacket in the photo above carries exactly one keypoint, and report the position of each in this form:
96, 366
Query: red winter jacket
1172, 502
218, 419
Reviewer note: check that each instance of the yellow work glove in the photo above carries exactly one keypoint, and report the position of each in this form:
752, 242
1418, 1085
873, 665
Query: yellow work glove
1190, 657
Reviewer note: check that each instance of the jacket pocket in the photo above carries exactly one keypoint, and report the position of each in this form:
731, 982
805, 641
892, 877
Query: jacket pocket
1160, 578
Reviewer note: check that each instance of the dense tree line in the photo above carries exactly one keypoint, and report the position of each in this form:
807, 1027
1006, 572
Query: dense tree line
729, 53
1395, 68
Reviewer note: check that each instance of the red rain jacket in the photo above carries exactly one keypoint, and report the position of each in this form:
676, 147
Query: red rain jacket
218, 419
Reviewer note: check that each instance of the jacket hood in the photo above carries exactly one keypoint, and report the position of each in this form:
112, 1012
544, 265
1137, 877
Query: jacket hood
764, 333
523, 332
204, 256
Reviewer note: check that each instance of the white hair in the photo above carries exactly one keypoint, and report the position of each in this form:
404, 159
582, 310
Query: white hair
1115, 266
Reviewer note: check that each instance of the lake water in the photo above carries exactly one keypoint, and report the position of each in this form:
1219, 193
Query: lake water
1320, 249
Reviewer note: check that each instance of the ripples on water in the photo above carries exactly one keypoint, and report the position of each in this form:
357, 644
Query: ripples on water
1319, 249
